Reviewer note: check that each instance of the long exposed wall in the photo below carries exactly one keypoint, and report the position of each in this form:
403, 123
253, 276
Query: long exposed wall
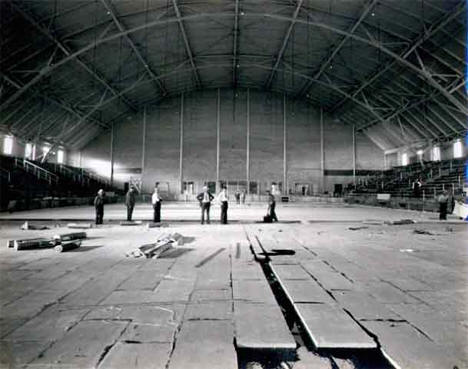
231, 135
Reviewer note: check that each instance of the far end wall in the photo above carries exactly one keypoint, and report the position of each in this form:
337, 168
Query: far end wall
233, 136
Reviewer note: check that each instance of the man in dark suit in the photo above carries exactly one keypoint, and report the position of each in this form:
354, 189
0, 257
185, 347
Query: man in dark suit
99, 206
271, 207
223, 200
205, 199
156, 201
130, 202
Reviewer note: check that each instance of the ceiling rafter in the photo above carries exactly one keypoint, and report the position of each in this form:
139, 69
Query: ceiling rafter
48, 69
154, 76
409, 50
284, 44
324, 64
96, 75
188, 48
57, 102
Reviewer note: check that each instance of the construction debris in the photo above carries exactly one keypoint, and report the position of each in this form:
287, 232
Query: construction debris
131, 222
30, 227
155, 225
80, 225
357, 228
67, 246
164, 242
400, 222
423, 231
60, 238
33, 243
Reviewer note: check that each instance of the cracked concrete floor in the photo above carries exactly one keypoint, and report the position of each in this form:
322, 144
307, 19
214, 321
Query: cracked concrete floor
94, 307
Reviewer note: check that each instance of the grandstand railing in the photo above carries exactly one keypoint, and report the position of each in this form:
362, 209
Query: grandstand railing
36, 170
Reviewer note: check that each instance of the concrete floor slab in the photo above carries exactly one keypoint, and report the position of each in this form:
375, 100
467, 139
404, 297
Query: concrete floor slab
50, 325
149, 333
204, 344
254, 328
142, 280
100, 268
211, 295
362, 306
209, 310
82, 346
132, 356
305, 291
142, 314
388, 294
291, 272
247, 270
174, 290
16, 354
406, 348
253, 291
330, 327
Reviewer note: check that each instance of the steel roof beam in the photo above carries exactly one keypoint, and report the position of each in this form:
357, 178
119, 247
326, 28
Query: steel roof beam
437, 26
284, 44
398, 58
137, 52
188, 49
367, 8
62, 105
68, 52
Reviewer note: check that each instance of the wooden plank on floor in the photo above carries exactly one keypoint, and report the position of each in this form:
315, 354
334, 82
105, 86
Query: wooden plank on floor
137, 355
330, 327
205, 344
261, 326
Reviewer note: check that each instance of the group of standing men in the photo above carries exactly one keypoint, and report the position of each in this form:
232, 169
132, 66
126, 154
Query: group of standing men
205, 198
130, 200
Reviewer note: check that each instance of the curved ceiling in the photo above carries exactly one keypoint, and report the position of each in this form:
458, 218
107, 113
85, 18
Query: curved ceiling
393, 68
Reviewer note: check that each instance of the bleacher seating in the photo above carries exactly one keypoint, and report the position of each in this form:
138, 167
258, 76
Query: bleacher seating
30, 184
435, 177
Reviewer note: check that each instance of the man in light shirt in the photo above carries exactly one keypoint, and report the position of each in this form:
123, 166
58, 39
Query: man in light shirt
223, 200
205, 199
156, 201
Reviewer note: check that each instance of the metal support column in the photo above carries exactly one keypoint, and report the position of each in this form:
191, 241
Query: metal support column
143, 147
322, 153
112, 155
285, 168
247, 153
181, 143
218, 126
354, 155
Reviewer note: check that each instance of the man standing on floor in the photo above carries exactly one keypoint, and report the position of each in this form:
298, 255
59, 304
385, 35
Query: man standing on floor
443, 202
223, 200
130, 202
99, 206
205, 199
271, 207
156, 201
